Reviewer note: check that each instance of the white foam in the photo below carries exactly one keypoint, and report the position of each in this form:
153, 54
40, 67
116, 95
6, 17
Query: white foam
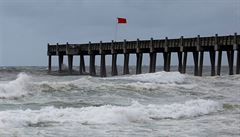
149, 81
82, 83
24, 85
108, 114
139, 86
158, 77
15, 88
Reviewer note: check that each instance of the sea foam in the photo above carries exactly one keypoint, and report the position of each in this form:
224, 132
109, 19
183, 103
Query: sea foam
148, 81
16, 88
158, 77
108, 114
23, 84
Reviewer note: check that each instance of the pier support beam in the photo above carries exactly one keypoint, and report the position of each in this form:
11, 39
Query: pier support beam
219, 63
201, 63
212, 61
126, 64
195, 60
150, 62
180, 62
49, 63
114, 65
70, 63
184, 62
230, 56
238, 62
92, 69
167, 61
82, 68
152, 65
103, 66
60, 62
139, 63
154, 62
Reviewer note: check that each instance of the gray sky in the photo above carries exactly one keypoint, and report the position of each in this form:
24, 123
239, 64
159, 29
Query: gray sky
26, 26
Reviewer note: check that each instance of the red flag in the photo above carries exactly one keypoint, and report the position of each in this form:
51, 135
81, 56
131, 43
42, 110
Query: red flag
122, 20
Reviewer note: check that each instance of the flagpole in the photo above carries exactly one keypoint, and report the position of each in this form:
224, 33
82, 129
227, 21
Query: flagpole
115, 35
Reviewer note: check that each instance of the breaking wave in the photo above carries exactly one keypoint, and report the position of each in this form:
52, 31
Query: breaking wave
107, 114
158, 77
23, 85
16, 88
150, 81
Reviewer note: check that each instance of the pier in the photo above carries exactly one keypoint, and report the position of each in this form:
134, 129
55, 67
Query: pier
197, 46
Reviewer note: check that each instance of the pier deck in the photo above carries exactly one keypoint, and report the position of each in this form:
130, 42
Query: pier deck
182, 46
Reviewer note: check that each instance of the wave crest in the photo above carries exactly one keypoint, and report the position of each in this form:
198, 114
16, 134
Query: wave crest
108, 114
158, 77
23, 85
16, 88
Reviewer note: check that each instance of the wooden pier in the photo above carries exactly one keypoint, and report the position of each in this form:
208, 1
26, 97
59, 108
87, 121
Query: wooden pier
182, 46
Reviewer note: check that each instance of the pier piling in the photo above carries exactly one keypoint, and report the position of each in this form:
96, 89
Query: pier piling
219, 63
154, 62
184, 62
195, 60
92, 69
139, 63
49, 63
180, 62
212, 61
60, 62
165, 61
201, 63
168, 61
126, 64
182, 46
230, 56
114, 65
82, 68
238, 62
103, 66
152, 65
70, 63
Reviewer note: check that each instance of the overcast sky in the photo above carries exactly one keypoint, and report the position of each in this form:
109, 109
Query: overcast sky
26, 26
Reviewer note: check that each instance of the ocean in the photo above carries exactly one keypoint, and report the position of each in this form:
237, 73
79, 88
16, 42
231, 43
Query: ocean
161, 104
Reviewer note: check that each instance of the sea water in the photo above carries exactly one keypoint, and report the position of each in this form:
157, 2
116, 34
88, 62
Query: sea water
35, 104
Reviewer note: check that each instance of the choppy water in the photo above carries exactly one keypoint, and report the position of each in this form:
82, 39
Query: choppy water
33, 103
